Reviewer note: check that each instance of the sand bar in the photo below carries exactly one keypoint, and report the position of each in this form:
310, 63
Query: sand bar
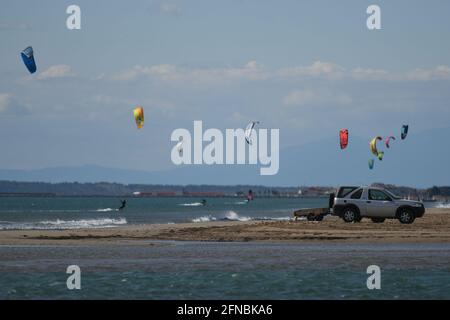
434, 227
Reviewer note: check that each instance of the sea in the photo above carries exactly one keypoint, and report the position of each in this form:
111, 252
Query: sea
205, 270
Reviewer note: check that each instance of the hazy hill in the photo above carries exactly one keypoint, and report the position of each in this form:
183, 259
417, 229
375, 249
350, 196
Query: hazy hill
414, 162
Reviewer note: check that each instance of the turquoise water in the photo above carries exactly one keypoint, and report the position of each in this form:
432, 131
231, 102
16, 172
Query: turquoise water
72, 213
192, 270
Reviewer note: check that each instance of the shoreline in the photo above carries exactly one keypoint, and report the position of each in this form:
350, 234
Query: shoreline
434, 227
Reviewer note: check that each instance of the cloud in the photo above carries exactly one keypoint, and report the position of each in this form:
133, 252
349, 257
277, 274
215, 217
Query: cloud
170, 8
371, 74
163, 71
254, 71
251, 71
307, 97
327, 70
57, 71
441, 72
9, 105
332, 71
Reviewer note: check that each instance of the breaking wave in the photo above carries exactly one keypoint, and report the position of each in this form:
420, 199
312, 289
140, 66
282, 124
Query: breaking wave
443, 206
106, 210
204, 219
63, 224
233, 216
194, 204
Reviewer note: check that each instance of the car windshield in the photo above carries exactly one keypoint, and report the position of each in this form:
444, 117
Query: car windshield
392, 195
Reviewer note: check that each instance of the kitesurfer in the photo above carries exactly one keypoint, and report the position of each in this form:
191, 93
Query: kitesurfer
250, 196
123, 205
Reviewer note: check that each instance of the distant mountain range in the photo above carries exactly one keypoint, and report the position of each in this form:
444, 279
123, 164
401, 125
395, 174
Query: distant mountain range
422, 160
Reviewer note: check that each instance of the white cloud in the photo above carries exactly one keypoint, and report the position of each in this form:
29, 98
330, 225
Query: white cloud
164, 71
256, 72
170, 8
327, 70
251, 71
371, 74
9, 105
57, 71
441, 72
5, 101
307, 97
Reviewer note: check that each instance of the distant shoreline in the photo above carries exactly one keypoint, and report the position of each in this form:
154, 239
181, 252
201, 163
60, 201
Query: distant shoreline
38, 195
434, 227
107, 189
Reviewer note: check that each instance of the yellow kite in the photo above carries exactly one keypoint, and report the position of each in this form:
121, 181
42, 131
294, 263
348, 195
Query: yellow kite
373, 147
139, 116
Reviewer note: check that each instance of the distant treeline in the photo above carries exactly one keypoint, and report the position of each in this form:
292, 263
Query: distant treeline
117, 189
429, 193
8, 188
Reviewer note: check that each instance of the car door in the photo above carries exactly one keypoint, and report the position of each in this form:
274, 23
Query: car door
379, 204
357, 199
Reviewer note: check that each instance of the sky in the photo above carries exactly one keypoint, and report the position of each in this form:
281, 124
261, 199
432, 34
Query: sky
308, 68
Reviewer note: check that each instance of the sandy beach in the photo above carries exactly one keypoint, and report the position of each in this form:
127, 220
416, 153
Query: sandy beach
434, 227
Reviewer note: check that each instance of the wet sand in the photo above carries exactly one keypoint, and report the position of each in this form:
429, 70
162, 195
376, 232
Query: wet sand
434, 227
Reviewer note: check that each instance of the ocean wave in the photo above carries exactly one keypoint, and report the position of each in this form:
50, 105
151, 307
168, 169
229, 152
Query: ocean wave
443, 206
233, 216
274, 219
63, 224
204, 219
194, 204
106, 210
238, 202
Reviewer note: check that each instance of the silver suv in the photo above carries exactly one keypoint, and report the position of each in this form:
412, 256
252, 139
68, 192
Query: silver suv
354, 203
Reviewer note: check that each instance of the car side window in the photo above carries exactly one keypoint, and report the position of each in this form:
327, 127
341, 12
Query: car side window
357, 194
378, 195
344, 191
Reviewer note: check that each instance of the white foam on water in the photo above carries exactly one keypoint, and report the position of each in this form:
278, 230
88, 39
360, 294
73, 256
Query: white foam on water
275, 219
106, 210
443, 206
63, 224
194, 204
233, 216
204, 219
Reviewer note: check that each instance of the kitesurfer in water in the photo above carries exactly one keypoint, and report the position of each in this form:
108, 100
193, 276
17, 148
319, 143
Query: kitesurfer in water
124, 203
249, 196
203, 202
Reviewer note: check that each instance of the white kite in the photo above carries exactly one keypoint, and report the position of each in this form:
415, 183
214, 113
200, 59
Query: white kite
179, 147
249, 131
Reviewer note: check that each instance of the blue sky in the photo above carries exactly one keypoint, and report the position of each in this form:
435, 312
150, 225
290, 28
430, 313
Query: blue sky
308, 68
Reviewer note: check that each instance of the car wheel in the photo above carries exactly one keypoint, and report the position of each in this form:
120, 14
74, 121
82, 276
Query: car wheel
378, 220
406, 216
350, 215
319, 218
